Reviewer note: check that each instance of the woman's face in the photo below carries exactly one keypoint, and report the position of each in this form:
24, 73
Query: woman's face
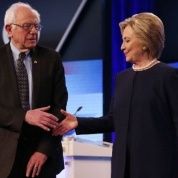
131, 46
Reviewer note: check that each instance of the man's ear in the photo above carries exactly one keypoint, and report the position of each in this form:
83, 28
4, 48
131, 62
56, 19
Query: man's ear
8, 29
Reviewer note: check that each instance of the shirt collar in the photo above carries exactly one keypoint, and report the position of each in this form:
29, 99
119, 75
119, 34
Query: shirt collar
16, 52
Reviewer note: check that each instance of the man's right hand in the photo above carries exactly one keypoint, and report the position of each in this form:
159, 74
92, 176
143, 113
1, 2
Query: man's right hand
41, 118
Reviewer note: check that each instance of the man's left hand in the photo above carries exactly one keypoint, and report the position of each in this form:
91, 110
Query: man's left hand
35, 164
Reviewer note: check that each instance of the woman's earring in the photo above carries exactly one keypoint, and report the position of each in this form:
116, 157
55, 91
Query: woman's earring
144, 48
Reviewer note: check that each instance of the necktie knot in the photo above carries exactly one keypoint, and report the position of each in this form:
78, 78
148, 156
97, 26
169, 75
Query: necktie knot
22, 56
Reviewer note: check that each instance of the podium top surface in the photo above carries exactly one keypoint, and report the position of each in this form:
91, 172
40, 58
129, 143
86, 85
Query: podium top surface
79, 147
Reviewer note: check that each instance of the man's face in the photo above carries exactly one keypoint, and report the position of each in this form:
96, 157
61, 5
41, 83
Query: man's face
22, 37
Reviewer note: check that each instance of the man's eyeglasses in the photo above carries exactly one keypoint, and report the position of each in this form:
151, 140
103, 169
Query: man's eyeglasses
29, 26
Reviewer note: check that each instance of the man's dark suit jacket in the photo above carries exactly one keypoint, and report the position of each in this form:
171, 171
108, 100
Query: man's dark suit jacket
48, 89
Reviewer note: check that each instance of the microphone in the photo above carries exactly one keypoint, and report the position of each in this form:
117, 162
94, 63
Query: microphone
78, 109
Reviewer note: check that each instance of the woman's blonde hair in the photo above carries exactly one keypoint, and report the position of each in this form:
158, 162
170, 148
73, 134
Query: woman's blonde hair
149, 29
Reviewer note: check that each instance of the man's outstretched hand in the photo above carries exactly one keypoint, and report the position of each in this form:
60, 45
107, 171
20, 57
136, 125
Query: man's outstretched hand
41, 118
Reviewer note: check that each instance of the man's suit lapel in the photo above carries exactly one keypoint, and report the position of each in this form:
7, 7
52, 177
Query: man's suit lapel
36, 75
12, 78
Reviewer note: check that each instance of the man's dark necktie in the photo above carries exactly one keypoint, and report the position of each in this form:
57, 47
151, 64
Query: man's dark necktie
22, 80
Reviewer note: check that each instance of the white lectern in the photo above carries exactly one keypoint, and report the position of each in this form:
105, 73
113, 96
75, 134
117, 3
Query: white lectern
86, 159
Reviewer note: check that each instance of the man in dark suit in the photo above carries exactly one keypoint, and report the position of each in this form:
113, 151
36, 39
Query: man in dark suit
27, 148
